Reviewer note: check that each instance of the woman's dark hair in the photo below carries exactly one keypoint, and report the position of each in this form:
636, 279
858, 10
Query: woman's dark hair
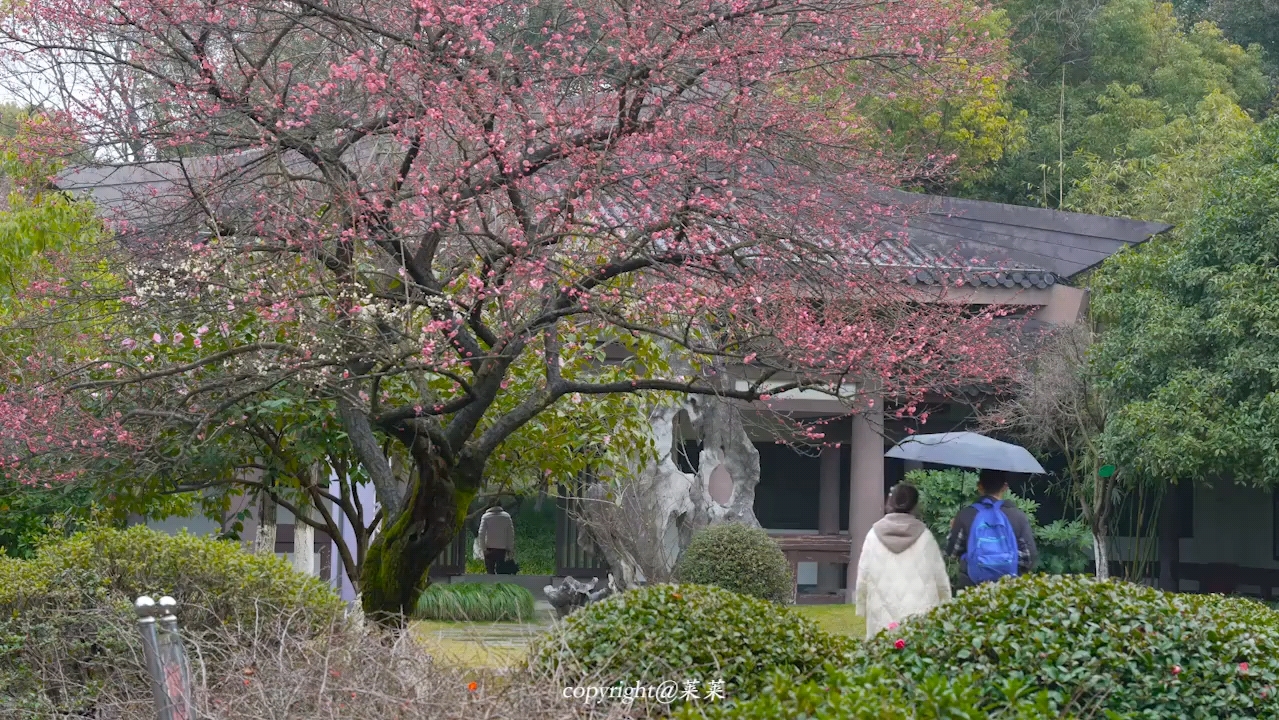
902, 498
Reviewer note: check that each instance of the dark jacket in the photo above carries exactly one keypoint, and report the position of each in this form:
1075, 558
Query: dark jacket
957, 544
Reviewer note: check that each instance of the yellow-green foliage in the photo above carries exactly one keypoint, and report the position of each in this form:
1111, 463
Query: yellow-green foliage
65, 615
215, 581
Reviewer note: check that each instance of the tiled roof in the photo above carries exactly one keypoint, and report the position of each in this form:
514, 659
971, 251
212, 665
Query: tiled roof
933, 240
997, 245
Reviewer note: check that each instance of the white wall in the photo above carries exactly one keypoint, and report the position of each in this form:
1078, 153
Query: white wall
197, 525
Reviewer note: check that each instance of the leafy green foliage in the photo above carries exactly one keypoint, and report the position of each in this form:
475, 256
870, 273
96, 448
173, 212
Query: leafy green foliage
1109, 83
1244, 21
29, 513
1161, 172
878, 694
1065, 546
1096, 647
971, 124
678, 632
738, 558
60, 611
477, 602
1192, 341
216, 581
535, 537
33, 220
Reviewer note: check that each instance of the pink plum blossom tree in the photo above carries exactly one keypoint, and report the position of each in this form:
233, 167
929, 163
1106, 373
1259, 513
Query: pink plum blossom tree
462, 222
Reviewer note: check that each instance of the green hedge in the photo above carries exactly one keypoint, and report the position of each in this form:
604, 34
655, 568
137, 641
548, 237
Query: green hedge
479, 602
875, 694
66, 614
215, 581
685, 632
1111, 647
738, 558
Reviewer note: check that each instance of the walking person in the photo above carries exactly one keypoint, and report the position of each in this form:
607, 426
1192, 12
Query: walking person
901, 571
991, 538
496, 537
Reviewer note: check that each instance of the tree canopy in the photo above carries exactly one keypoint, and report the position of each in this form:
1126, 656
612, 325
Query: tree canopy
1191, 341
445, 226
1105, 82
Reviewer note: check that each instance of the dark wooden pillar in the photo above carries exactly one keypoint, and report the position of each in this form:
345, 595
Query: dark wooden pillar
1169, 540
828, 516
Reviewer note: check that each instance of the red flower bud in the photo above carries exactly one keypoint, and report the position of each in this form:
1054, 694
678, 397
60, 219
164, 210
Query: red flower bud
900, 644
1176, 669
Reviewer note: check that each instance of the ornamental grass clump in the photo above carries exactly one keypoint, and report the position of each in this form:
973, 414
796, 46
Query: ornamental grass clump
677, 633
738, 558
1098, 649
476, 602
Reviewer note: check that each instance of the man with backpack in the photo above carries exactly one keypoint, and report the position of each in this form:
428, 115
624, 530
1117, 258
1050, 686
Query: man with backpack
991, 538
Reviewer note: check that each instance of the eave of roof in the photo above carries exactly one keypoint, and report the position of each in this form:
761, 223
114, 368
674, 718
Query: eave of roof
933, 240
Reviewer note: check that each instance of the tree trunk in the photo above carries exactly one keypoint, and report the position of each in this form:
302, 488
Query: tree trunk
395, 566
264, 539
1101, 553
303, 541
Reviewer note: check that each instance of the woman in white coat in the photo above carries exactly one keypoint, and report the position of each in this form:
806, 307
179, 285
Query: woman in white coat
901, 572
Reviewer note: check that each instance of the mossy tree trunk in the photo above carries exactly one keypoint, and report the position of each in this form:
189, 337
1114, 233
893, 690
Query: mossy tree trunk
395, 568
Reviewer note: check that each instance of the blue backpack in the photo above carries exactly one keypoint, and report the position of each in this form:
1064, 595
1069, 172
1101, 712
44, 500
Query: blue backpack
992, 544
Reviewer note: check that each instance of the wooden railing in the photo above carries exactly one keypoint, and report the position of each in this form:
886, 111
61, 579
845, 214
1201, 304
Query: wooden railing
813, 548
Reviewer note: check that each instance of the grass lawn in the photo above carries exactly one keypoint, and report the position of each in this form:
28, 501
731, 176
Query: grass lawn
498, 645
840, 619
476, 644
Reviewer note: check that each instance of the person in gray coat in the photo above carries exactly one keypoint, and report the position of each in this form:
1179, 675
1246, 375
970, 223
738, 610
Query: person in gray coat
496, 537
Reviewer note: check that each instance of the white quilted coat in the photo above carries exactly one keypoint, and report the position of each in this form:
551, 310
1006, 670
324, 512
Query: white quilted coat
894, 585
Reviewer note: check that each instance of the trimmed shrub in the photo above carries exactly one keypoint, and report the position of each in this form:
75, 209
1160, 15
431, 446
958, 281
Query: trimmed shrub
738, 558
874, 694
214, 580
685, 632
58, 639
481, 602
1097, 647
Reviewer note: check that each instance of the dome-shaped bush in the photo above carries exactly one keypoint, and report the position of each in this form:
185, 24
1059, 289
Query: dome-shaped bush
738, 558
685, 632
67, 621
214, 581
1110, 646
